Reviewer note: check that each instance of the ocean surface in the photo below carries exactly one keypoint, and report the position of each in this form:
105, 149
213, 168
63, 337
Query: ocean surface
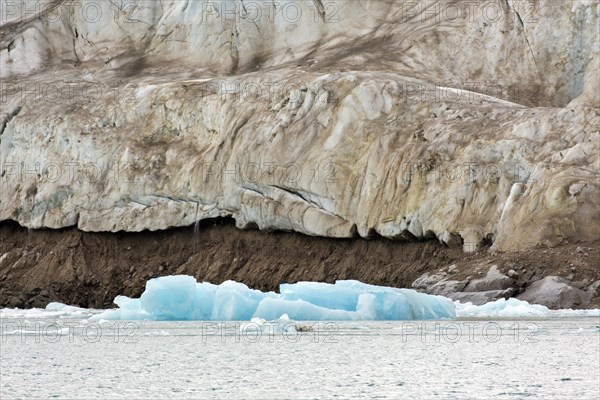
48, 354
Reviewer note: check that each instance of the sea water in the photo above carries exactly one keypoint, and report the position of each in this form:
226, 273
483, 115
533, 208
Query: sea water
504, 350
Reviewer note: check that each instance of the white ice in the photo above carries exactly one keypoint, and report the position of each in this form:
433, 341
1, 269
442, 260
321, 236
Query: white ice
511, 308
52, 310
515, 308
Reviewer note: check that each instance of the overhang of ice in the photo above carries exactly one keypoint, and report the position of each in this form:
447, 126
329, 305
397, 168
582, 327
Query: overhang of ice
182, 298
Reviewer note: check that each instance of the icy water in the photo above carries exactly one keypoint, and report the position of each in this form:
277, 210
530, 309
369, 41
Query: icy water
58, 356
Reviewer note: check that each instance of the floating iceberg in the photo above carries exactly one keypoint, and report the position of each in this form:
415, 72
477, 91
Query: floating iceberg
515, 308
52, 310
511, 308
182, 298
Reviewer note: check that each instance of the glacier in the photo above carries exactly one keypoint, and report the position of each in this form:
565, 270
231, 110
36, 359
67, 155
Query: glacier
182, 298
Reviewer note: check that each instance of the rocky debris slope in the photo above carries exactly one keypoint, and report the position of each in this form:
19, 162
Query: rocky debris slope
470, 123
551, 291
90, 269
493, 286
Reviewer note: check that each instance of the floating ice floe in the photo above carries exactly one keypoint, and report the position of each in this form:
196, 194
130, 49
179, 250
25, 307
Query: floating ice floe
52, 310
182, 298
511, 308
515, 308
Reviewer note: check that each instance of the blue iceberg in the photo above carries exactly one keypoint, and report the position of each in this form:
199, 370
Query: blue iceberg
181, 298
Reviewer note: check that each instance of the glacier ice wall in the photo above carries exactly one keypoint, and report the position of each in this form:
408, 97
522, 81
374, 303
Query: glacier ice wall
365, 118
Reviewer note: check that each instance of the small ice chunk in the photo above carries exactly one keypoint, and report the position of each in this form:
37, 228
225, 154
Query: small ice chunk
511, 308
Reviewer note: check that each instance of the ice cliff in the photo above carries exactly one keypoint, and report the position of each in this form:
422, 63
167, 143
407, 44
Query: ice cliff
465, 121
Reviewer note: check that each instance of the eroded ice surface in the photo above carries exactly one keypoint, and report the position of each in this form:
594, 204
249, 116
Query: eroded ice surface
182, 298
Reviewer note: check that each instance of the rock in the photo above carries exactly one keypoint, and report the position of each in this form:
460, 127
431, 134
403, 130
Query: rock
131, 269
513, 274
446, 287
427, 280
493, 280
452, 269
479, 298
594, 289
438, 284
573, 269
554, 292
161, 269
583, 285
303, 328
570, 277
